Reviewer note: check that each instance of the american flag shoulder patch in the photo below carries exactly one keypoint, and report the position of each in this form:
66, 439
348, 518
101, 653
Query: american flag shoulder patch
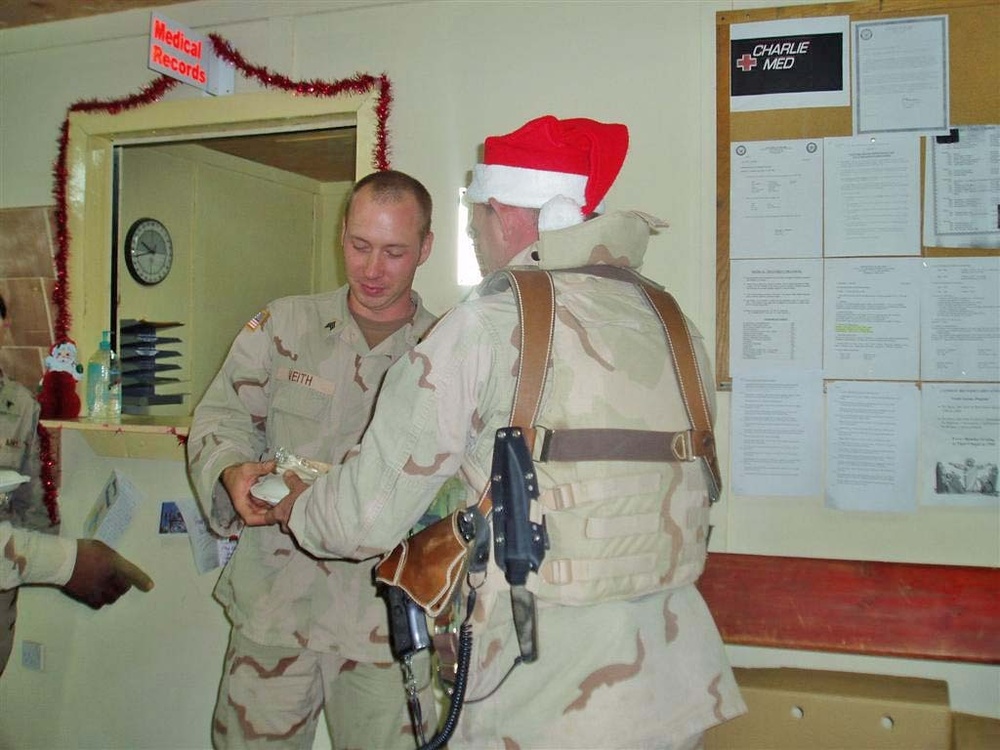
258, 320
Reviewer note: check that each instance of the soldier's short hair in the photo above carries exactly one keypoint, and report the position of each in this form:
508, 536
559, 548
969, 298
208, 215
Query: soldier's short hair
393, 185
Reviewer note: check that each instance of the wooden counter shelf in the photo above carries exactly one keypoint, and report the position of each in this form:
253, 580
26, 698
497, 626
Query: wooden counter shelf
134, 437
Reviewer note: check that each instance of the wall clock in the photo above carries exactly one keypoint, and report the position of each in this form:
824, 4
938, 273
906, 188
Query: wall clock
149, 251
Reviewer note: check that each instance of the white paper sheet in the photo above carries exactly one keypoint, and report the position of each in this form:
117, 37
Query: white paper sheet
777, 434
960, 435
962, 192
209, 551
871, 320
899, 75
871, 440
871, 193
776, 199
112, 512
960, 334
776, 314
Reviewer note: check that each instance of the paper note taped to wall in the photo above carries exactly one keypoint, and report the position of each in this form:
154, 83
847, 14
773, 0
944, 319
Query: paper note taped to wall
112, 511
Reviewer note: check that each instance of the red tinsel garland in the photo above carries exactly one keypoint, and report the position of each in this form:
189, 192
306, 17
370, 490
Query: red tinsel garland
360, 83
48, 473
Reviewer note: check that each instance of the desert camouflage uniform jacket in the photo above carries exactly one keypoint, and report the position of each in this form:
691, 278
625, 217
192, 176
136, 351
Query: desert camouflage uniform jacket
30, 557
301, 376
19, 411
627, 672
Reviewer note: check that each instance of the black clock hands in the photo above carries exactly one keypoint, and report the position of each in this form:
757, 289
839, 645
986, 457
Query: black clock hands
149, 250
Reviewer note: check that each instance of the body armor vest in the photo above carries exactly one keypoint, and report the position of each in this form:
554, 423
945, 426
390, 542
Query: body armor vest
624, 497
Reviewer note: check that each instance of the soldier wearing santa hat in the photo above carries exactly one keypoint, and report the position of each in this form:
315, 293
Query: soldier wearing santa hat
625, 654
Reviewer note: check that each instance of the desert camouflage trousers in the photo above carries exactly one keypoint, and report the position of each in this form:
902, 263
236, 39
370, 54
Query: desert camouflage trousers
648, 674
272, 697
8, 615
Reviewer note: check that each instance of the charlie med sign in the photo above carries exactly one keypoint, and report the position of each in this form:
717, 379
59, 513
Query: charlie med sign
786, 64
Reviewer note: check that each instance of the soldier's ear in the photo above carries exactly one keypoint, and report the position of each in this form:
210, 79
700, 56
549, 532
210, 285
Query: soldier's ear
519, 226
425, 248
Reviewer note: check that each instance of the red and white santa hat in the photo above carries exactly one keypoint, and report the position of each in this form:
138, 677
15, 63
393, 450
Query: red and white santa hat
563, 167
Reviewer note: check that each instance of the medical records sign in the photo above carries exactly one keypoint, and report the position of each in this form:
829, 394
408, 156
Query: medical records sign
786, 64
180, 53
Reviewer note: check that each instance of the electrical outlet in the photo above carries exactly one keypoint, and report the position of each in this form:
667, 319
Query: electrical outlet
33, 656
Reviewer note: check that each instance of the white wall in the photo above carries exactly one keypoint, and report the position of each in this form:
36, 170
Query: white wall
460, 71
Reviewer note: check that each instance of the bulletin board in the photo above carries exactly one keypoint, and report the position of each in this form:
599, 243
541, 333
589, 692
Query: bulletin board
858, 606
973, 29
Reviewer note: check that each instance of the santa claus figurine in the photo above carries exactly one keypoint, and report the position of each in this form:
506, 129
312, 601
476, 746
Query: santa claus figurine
58, 396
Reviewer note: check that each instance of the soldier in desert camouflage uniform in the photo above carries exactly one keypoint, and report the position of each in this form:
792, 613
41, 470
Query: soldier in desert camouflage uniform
24, 507
31, 550
628, 654
303, 375
84, 569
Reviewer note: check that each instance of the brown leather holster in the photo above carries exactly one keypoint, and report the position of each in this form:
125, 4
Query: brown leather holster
429, 565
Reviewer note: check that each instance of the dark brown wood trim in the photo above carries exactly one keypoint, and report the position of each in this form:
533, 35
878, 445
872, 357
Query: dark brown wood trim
943, 612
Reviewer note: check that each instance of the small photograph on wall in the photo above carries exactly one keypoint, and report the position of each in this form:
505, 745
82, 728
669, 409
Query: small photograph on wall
171, 518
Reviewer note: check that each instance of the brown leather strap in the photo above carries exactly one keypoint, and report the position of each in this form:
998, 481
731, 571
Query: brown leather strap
536, 307
615, 444
689, 377
535, 298
685, 363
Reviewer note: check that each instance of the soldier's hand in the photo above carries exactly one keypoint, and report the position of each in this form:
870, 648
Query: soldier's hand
238, 479
101, 575
281, 512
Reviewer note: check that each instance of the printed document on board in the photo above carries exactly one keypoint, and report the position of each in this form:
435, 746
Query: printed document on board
775, 314
777, 432
960, 434
960, 335
871, 320
871, 193
899, 75
962, 192
776, 199
871, 438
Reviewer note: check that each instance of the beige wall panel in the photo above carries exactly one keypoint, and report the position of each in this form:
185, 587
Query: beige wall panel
254, 243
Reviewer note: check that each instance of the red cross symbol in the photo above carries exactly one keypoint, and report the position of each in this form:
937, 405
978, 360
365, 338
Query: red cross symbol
747, 62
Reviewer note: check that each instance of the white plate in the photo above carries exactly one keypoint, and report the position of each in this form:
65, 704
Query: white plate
11, 480
270, 488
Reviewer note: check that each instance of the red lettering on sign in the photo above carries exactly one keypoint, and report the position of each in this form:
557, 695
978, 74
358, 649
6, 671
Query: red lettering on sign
176, 39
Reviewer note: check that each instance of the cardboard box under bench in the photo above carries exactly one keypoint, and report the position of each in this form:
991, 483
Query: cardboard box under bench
806, 709
971, 732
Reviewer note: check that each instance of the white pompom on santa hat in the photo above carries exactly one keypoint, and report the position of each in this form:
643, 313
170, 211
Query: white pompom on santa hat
563, 167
